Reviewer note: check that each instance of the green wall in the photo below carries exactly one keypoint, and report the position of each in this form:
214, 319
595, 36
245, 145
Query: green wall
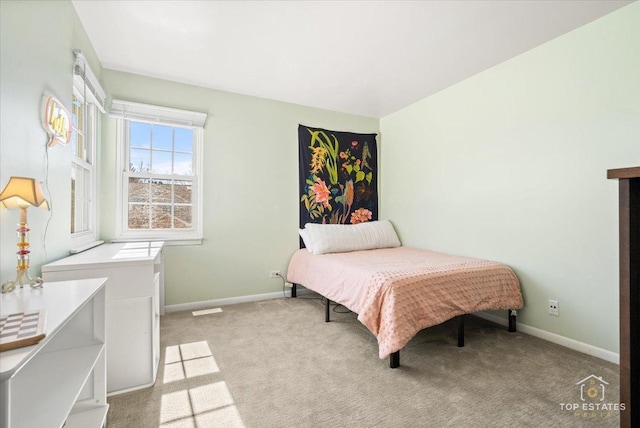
511, 164
250, 185
37, 39
250, 149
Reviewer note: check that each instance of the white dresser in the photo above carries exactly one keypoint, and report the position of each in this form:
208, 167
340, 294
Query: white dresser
62, 379
134, 301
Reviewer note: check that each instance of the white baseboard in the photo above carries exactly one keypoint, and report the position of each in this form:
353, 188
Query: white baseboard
231, 300
585, 348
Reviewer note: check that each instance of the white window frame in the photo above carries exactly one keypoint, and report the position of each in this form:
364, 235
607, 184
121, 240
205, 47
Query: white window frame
88, 90
125, 112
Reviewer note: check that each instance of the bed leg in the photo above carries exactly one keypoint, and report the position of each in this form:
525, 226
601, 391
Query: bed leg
327, 310
460, 330
294, 290
512, 320
394, 360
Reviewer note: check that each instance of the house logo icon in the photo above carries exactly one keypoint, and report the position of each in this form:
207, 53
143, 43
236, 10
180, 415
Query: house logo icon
592, 388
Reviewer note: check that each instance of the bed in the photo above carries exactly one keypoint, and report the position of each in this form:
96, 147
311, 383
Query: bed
399, 291
350, 257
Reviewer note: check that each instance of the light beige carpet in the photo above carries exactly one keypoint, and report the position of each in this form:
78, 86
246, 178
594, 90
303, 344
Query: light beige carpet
276, 363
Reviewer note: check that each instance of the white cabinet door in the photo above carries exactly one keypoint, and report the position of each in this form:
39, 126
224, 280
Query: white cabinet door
129, 333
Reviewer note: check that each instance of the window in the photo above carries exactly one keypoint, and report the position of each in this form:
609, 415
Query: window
83, 170
87, 98
161, 174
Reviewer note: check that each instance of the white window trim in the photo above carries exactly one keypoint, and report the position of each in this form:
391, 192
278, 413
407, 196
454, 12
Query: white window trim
83, 72
86, 84
171, 237
157, 114
88, 238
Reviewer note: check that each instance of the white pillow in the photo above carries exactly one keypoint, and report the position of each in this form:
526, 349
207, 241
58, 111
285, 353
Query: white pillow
306, 239
342, 238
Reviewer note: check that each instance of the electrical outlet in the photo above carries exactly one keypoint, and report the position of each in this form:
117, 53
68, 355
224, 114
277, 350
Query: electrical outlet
274, 274
553, 308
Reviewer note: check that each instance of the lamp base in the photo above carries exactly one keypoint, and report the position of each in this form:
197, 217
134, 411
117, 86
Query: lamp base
23, 258
34, 282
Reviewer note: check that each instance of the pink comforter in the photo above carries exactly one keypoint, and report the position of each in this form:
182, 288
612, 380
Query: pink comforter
397, 292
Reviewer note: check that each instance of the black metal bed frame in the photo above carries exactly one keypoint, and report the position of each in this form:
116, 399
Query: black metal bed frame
394, 358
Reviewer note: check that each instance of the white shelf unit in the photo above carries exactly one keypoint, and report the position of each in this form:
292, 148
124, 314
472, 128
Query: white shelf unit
62, 379
134, 303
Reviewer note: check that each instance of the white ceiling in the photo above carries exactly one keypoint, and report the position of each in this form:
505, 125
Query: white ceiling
365, 57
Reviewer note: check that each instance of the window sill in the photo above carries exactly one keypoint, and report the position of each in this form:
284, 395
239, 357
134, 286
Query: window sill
167, 241
85, 247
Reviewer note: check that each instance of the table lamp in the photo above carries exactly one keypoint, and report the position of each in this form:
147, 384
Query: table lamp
22, 192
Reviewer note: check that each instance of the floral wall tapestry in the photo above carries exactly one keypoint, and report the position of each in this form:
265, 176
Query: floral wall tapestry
338, 176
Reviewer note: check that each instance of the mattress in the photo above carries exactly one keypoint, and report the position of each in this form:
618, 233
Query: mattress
397, 292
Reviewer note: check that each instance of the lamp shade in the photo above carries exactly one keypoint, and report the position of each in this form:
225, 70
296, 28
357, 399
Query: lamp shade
21, 192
